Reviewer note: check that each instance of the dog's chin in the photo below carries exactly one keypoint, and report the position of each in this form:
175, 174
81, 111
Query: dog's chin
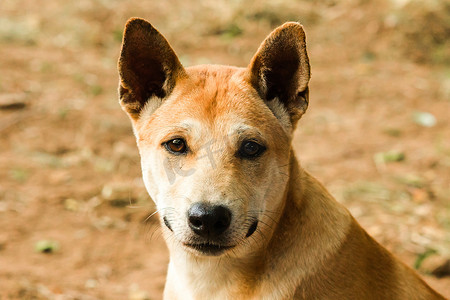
207, 249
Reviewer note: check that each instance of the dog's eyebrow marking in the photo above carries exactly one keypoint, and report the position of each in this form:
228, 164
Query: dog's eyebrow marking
244, 129
187, 126
240, 128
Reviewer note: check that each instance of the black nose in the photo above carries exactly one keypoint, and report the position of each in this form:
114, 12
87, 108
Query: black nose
209, 221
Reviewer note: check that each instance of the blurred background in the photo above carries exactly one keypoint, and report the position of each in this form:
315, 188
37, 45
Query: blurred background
73, 208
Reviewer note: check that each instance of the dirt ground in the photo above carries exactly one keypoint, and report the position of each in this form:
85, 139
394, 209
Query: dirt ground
73, 208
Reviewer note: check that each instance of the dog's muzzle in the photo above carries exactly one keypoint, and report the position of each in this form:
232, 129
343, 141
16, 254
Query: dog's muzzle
210, 223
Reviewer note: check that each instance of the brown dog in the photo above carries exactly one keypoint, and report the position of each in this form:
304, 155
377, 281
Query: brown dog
241, 218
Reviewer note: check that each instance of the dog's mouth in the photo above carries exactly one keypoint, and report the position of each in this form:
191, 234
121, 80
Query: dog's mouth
209, 248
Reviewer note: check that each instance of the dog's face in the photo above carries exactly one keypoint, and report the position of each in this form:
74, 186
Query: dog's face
214, 159
214, 141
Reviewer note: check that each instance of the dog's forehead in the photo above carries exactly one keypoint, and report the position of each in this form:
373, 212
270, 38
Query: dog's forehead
216, 90
215, 100
222, 94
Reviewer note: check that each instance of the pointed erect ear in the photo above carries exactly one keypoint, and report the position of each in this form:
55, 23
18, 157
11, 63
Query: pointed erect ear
148, 67
280, 69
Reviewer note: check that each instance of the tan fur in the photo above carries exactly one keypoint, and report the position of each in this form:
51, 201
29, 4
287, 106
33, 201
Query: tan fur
306, 246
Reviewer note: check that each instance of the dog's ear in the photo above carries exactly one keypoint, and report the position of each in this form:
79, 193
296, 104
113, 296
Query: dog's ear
148, 67
280, 69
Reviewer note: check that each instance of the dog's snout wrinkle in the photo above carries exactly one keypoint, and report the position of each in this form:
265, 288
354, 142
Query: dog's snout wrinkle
166, 222
209, 221
252, 228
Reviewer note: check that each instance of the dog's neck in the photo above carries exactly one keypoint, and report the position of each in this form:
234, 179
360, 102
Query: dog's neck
303, 200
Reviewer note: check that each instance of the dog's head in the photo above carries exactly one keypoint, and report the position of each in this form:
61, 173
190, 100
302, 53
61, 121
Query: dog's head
215, 141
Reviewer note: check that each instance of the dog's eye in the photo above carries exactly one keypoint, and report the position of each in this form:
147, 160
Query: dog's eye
176, 146
251, 149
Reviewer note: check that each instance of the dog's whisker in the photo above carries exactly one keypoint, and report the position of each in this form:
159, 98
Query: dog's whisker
154, 232
157, 211
265, 224
284, 174
151, 215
